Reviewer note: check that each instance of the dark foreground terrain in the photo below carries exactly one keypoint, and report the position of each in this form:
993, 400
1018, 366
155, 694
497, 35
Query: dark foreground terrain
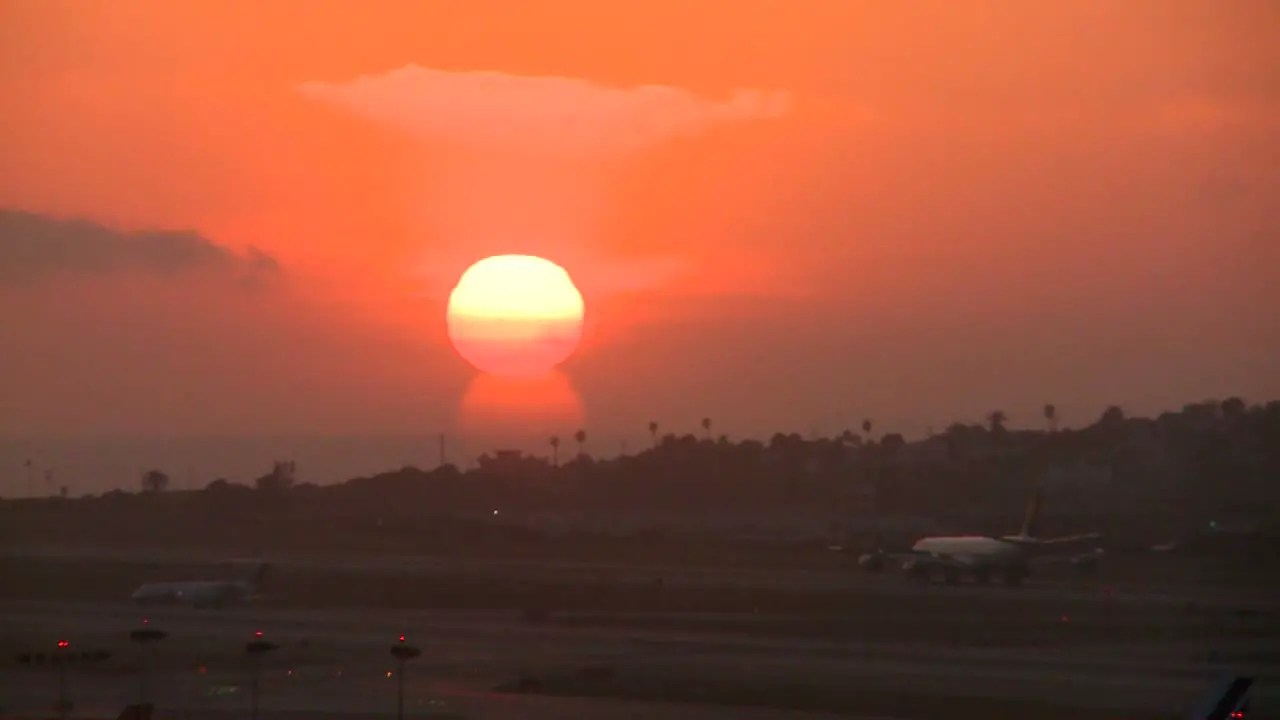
534, 640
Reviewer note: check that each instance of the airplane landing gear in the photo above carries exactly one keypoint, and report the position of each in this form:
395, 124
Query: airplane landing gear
916, 571
1014, 576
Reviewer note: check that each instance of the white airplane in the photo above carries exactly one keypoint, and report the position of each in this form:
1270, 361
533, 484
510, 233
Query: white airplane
1009, 557
202, 593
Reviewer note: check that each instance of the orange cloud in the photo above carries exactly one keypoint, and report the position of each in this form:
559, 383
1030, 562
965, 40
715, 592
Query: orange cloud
541, 115
520, 164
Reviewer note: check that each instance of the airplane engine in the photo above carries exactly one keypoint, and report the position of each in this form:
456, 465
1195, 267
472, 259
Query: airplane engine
873, 562
916, 569
1085, 564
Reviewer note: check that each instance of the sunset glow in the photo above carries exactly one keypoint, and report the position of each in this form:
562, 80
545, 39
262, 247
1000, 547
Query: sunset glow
505, 408
515, 315
779, 213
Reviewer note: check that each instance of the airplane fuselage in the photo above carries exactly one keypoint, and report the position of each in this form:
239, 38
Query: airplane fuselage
197, 593
974, 549
976, 555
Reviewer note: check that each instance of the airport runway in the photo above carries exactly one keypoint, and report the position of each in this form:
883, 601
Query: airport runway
1131, 649
343, 669
339, 659
1059, 584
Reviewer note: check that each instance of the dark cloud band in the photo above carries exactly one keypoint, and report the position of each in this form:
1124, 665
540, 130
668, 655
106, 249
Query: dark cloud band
33, 246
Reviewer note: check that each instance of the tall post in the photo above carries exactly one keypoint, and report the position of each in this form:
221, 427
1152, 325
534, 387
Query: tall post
442, 455
402, 652
144, 667
400, 689
145, 637
255, 649
64, 703
253, 687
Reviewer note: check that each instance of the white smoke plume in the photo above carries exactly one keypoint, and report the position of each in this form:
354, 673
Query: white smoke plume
551, 115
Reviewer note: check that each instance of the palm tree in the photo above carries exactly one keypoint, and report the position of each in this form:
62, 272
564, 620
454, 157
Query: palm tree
996, 420
581, 438
653, 432
555, 450
706, 426
154, 481
1051, 416
866, 429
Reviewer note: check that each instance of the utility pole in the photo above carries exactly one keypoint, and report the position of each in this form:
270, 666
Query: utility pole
402, 653
442, 455
255, 649
61, 659
145, 638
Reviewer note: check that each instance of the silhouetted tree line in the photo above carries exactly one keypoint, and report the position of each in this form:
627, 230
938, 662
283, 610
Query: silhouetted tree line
1211, 459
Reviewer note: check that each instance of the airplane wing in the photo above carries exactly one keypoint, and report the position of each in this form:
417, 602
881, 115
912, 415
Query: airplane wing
1070, 539
959, 561
963, 562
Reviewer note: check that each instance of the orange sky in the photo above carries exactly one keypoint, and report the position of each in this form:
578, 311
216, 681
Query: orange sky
968, 206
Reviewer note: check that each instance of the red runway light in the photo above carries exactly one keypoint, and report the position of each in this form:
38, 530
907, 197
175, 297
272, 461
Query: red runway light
401, 638
63, 643
257, 633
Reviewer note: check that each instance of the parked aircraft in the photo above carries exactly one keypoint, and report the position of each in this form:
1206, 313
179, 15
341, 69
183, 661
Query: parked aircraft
1008, 557
203, 593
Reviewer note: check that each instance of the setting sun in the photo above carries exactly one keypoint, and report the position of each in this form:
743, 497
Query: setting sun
515, 315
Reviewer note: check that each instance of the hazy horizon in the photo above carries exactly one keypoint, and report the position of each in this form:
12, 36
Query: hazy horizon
100, 463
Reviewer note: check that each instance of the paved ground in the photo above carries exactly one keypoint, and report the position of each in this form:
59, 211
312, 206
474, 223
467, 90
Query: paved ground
107, 573
947, 652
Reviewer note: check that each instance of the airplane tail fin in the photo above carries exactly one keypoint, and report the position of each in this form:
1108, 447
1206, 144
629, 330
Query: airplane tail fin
1228, 700
1032, 519
259, 573
255, 576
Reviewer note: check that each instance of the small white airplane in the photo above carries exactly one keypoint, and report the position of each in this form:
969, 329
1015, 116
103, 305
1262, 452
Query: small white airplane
1009, 557
202, 593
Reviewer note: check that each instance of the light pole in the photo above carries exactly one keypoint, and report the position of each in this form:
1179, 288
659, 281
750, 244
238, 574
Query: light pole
255, 649
145, 637
403, 653
60, 660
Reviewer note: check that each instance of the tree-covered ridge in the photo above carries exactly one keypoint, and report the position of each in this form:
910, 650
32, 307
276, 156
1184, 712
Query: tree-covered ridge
1210, 458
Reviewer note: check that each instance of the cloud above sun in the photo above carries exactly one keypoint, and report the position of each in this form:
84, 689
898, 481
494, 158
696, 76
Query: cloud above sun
523, 173
548, 114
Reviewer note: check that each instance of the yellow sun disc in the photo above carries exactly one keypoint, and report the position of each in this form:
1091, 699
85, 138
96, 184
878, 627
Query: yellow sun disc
515, 315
